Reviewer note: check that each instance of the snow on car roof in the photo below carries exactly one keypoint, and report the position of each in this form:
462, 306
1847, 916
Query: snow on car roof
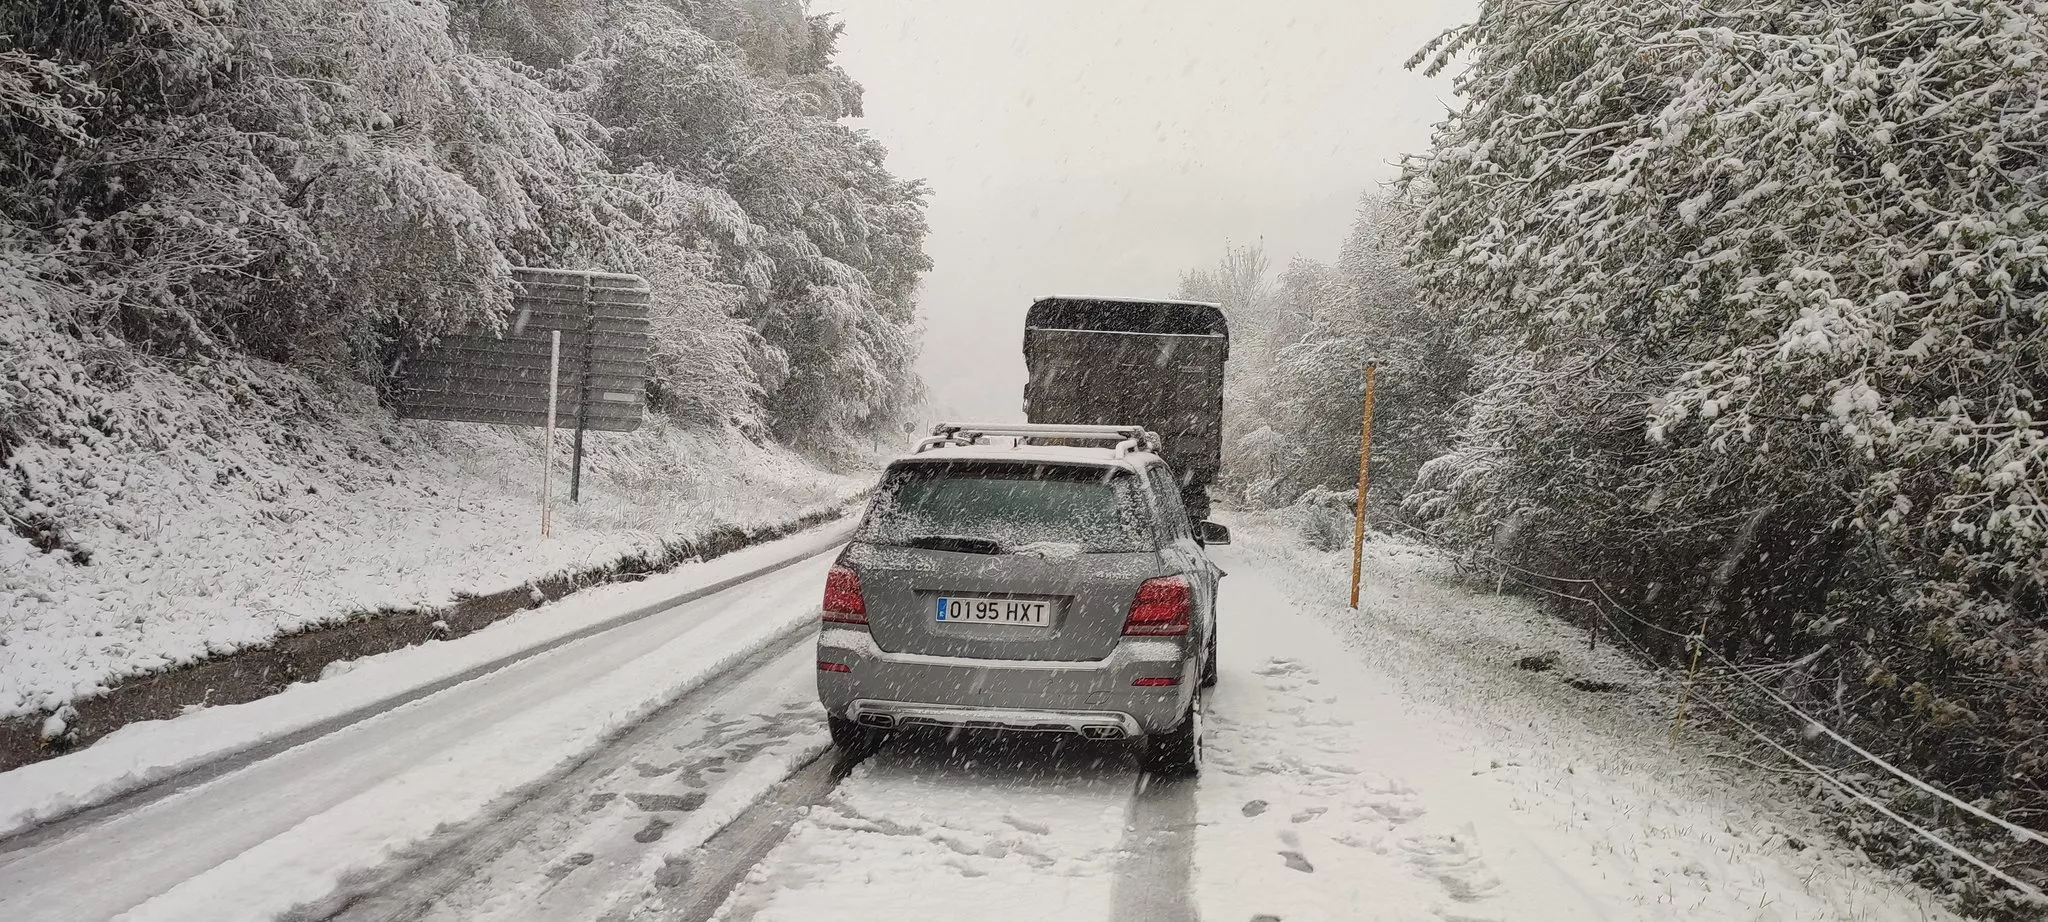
1042, 454
1118, 300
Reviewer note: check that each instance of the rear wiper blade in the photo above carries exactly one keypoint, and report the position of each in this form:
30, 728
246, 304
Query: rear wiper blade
959, 543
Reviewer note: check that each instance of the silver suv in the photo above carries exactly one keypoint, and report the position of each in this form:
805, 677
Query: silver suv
1025, 587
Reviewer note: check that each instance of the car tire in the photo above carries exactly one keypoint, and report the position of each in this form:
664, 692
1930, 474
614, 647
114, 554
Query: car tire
1209, 664
1177, 753
853, 740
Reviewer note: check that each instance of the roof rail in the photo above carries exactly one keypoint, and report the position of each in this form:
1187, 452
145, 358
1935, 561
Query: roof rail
1126, 438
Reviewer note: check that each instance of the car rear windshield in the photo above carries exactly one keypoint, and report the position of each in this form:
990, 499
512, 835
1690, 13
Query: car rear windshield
1003, 507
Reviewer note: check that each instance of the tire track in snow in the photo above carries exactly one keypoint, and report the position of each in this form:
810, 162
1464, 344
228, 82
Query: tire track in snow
1156, 864
578, 832
1152, 868
989, 827
711, 872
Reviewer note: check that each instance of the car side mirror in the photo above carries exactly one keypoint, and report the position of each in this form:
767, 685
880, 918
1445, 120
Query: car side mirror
1211, 533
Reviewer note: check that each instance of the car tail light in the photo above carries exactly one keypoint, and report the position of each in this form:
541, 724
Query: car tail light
843, 602
1155, 681
1162, 607
828, 666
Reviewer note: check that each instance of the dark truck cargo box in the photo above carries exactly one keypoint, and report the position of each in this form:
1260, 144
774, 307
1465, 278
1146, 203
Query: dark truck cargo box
1157, 364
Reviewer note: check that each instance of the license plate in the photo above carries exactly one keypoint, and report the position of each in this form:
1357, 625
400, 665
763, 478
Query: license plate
975, 610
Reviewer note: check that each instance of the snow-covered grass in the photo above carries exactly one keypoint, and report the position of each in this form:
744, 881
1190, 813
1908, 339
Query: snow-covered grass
1402, 749
158, 513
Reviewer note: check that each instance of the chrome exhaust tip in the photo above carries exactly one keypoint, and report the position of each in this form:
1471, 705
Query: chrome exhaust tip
883, 721
1103, 732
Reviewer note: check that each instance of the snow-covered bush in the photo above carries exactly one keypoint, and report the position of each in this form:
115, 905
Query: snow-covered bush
1325, 518
1294, 398
1761, 294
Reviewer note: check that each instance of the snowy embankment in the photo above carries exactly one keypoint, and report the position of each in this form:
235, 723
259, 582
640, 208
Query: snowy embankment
1398, 756
157, 515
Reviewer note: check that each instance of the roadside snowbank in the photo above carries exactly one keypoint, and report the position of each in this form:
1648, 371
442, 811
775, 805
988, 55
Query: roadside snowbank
156, 514
142, 753
1397, 756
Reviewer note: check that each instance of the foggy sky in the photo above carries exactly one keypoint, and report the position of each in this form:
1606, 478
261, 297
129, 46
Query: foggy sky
1105, 146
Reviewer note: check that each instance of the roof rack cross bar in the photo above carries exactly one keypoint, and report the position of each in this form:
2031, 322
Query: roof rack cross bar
1125, 439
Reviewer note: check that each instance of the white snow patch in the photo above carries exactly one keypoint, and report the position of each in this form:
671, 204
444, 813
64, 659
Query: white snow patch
58, 723
1049, 550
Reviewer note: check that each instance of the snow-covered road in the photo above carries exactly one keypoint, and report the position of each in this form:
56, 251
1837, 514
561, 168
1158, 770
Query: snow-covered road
1384, 764
289, 829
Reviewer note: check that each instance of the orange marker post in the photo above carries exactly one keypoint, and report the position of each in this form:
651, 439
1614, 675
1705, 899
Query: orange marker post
1364, 470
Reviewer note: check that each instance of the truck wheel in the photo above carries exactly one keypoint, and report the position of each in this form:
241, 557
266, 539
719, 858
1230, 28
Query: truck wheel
1177, 753
853, 740
1209, 664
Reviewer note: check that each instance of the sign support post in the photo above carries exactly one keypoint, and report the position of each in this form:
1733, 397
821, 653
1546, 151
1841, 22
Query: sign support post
513, 375
1364, 467
582, 396
547, 454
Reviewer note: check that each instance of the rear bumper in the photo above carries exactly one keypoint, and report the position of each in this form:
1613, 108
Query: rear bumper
1100, 725
1029, 695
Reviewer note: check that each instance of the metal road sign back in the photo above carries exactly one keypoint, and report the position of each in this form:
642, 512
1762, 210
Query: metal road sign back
481, 378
